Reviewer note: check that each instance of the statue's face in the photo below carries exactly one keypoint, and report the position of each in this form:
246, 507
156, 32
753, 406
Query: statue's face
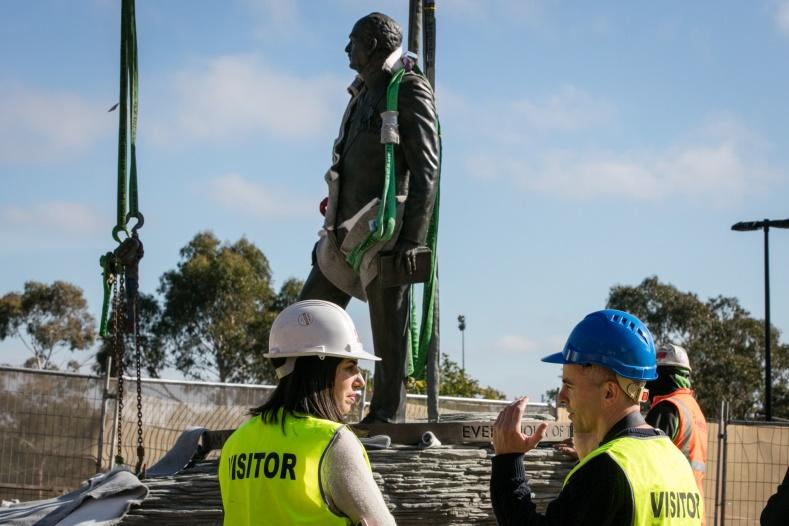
358, 49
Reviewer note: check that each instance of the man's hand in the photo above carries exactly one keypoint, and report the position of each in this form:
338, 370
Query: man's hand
405, 255
507, 435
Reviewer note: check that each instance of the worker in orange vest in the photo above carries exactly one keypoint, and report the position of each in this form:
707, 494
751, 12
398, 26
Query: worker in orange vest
674, 409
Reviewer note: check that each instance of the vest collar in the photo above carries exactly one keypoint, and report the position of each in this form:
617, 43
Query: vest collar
622, 427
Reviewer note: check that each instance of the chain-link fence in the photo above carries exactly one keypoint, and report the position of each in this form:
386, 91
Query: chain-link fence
57, 429
170, 407
49, 429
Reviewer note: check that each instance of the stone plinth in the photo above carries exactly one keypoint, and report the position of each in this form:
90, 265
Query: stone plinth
447, 485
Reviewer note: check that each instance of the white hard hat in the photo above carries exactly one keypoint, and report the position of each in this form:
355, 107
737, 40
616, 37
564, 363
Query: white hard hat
672, 355
314, 328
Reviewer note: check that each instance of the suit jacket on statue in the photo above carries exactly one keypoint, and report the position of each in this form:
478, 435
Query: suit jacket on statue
356, 177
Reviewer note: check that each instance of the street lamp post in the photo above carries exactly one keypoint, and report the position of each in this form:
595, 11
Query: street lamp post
747, 226
462, 327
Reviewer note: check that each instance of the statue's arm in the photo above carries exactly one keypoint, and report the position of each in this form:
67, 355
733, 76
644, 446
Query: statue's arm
420, 143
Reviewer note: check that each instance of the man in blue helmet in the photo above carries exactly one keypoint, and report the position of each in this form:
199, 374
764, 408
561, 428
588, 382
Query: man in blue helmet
630, 473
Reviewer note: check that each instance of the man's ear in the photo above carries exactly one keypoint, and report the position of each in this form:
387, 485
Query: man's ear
610, 391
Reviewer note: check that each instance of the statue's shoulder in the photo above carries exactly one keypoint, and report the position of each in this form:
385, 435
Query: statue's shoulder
416, 83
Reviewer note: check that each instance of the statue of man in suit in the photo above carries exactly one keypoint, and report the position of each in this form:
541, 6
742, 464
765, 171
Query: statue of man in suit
355, 185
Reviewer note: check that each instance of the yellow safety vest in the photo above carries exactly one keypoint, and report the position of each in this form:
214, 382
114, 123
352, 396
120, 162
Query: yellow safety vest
267, 477
663, 486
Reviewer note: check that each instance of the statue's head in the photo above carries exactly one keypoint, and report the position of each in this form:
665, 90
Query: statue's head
372, 39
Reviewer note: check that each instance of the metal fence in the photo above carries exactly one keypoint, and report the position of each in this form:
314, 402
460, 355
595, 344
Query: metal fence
49, 425
746, 461
57, 429
168, 408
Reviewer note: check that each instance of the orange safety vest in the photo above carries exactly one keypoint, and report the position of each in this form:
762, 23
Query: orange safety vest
691, 437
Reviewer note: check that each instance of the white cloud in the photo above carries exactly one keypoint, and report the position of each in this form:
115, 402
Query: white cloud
232, 96
275, 18
234, 192
40, 125
54, 218
782, 18
721, 166
569, 109
45, 228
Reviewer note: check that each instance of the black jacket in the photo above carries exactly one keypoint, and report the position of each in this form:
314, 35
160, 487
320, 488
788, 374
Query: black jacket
358, 155
598, 494
776, 513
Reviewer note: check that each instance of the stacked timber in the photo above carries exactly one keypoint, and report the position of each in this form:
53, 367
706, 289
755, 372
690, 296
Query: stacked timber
446, 485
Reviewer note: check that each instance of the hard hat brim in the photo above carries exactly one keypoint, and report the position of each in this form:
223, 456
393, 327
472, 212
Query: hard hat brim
555, 358
642, 374
319, 351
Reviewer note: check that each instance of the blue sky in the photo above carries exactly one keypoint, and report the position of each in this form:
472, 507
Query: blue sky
585, 145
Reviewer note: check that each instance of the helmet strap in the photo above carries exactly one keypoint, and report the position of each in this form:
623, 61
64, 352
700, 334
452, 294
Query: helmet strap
286, 368
634, 389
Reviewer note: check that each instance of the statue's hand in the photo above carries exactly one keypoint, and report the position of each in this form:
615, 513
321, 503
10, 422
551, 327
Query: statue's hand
405, 255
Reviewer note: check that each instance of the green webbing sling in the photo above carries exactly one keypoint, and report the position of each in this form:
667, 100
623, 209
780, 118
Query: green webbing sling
127, 102
424, 336
383, 227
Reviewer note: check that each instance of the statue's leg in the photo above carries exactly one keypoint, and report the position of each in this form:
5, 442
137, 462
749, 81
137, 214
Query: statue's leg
318, 287
389, 320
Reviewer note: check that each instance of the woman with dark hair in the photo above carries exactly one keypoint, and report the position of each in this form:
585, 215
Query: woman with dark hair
294, 461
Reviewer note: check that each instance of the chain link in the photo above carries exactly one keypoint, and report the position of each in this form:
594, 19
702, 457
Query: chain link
140, 469
119, 292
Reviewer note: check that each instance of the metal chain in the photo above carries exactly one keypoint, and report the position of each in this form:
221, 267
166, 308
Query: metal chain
119, 292
140, 468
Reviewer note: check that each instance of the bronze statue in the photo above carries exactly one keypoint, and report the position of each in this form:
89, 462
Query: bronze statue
355, 183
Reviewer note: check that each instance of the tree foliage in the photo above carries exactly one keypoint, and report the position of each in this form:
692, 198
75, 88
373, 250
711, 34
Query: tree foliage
218, 307
724, 343
550, 396
456, 382
51, 316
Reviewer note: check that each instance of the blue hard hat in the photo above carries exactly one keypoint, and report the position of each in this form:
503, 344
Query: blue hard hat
614, 339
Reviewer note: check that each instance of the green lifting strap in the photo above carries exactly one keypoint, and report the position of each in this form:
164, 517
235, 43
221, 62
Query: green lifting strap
127, 102
127, 168
384, 224
424, 336
134, 209
419, 335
